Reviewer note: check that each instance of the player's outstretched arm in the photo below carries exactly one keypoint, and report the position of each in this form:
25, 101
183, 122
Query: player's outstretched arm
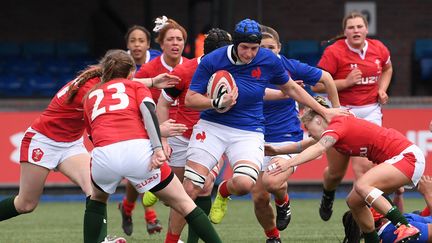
291, 148
307, 155
161, 81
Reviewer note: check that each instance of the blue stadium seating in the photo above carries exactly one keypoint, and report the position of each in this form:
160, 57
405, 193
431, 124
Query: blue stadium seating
73, 49
38, 49
422, 49
422, 67
9, 49
42, 85
12, 85
426, 69
307, 51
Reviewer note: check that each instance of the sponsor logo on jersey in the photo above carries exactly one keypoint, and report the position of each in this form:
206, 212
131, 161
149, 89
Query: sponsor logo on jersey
353, 65
201, 136
256, 73
37, 154
368, 80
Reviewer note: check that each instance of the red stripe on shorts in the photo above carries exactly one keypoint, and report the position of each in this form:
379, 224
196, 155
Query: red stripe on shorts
407, 164
25, 145
165, 171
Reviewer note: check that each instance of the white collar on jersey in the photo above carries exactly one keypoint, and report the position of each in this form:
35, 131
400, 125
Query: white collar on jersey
232, 59
168, 66
147, 56
199, 59
360, 52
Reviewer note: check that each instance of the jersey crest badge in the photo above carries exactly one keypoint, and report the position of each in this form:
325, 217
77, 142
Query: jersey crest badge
37, 154
201, 136
256, 73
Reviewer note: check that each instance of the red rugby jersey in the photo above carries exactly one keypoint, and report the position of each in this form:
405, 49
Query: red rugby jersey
358, 137
62, 121
154, 68
112, 112
339, 59
185, 115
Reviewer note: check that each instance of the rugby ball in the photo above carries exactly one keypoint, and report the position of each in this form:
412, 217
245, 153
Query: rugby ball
220, 83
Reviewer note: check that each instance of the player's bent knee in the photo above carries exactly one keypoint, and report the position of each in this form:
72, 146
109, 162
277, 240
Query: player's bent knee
196, 178
372, 196
26, 207
247, 171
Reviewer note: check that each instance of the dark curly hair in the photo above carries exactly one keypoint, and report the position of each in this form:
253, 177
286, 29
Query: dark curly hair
216, 38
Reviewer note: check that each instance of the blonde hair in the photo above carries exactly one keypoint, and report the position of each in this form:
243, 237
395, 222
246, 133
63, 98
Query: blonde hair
309, 114
269, 32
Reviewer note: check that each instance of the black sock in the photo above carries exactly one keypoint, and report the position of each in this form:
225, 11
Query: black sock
200, 223
329, 194
396, 217
7, 209
371, 237
95, 222
205, 204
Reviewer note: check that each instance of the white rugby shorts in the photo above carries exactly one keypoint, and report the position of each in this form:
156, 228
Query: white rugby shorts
371, 113
210, 140
39, 149
179, 146
411, 162
267, 159
128, 159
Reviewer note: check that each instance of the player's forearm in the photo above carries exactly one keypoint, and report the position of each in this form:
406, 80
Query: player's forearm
274, 94
146, 81
300, 95
308, 154
162, 110
297, 147
197, 101
151, 123
331, 89
384, 81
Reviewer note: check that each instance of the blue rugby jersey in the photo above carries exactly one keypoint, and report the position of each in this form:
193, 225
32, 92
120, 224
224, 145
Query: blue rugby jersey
386, 233
251, 80
150, 55
281, 116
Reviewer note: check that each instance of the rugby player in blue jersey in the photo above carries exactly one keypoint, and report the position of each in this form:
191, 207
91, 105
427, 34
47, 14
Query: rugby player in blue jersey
239, 132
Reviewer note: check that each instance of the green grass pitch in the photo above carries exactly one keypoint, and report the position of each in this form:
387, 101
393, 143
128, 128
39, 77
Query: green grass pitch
62, 222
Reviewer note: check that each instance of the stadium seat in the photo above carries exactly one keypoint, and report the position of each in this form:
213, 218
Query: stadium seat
426, 69
9, 49
38, 49
56, 66
72, 49
307, 51
13, 86
42, 85
21, 66
422, 67
422, 49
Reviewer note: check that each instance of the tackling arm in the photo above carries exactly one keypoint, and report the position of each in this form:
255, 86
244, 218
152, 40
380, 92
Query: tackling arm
151, 123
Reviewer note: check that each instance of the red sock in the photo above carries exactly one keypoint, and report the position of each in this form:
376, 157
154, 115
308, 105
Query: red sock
128, 206
171, 238
150, 215
283, 201
273, 233
223, 189
425, 212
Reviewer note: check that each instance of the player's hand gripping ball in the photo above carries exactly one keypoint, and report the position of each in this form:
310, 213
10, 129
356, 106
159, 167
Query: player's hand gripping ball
220, 84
